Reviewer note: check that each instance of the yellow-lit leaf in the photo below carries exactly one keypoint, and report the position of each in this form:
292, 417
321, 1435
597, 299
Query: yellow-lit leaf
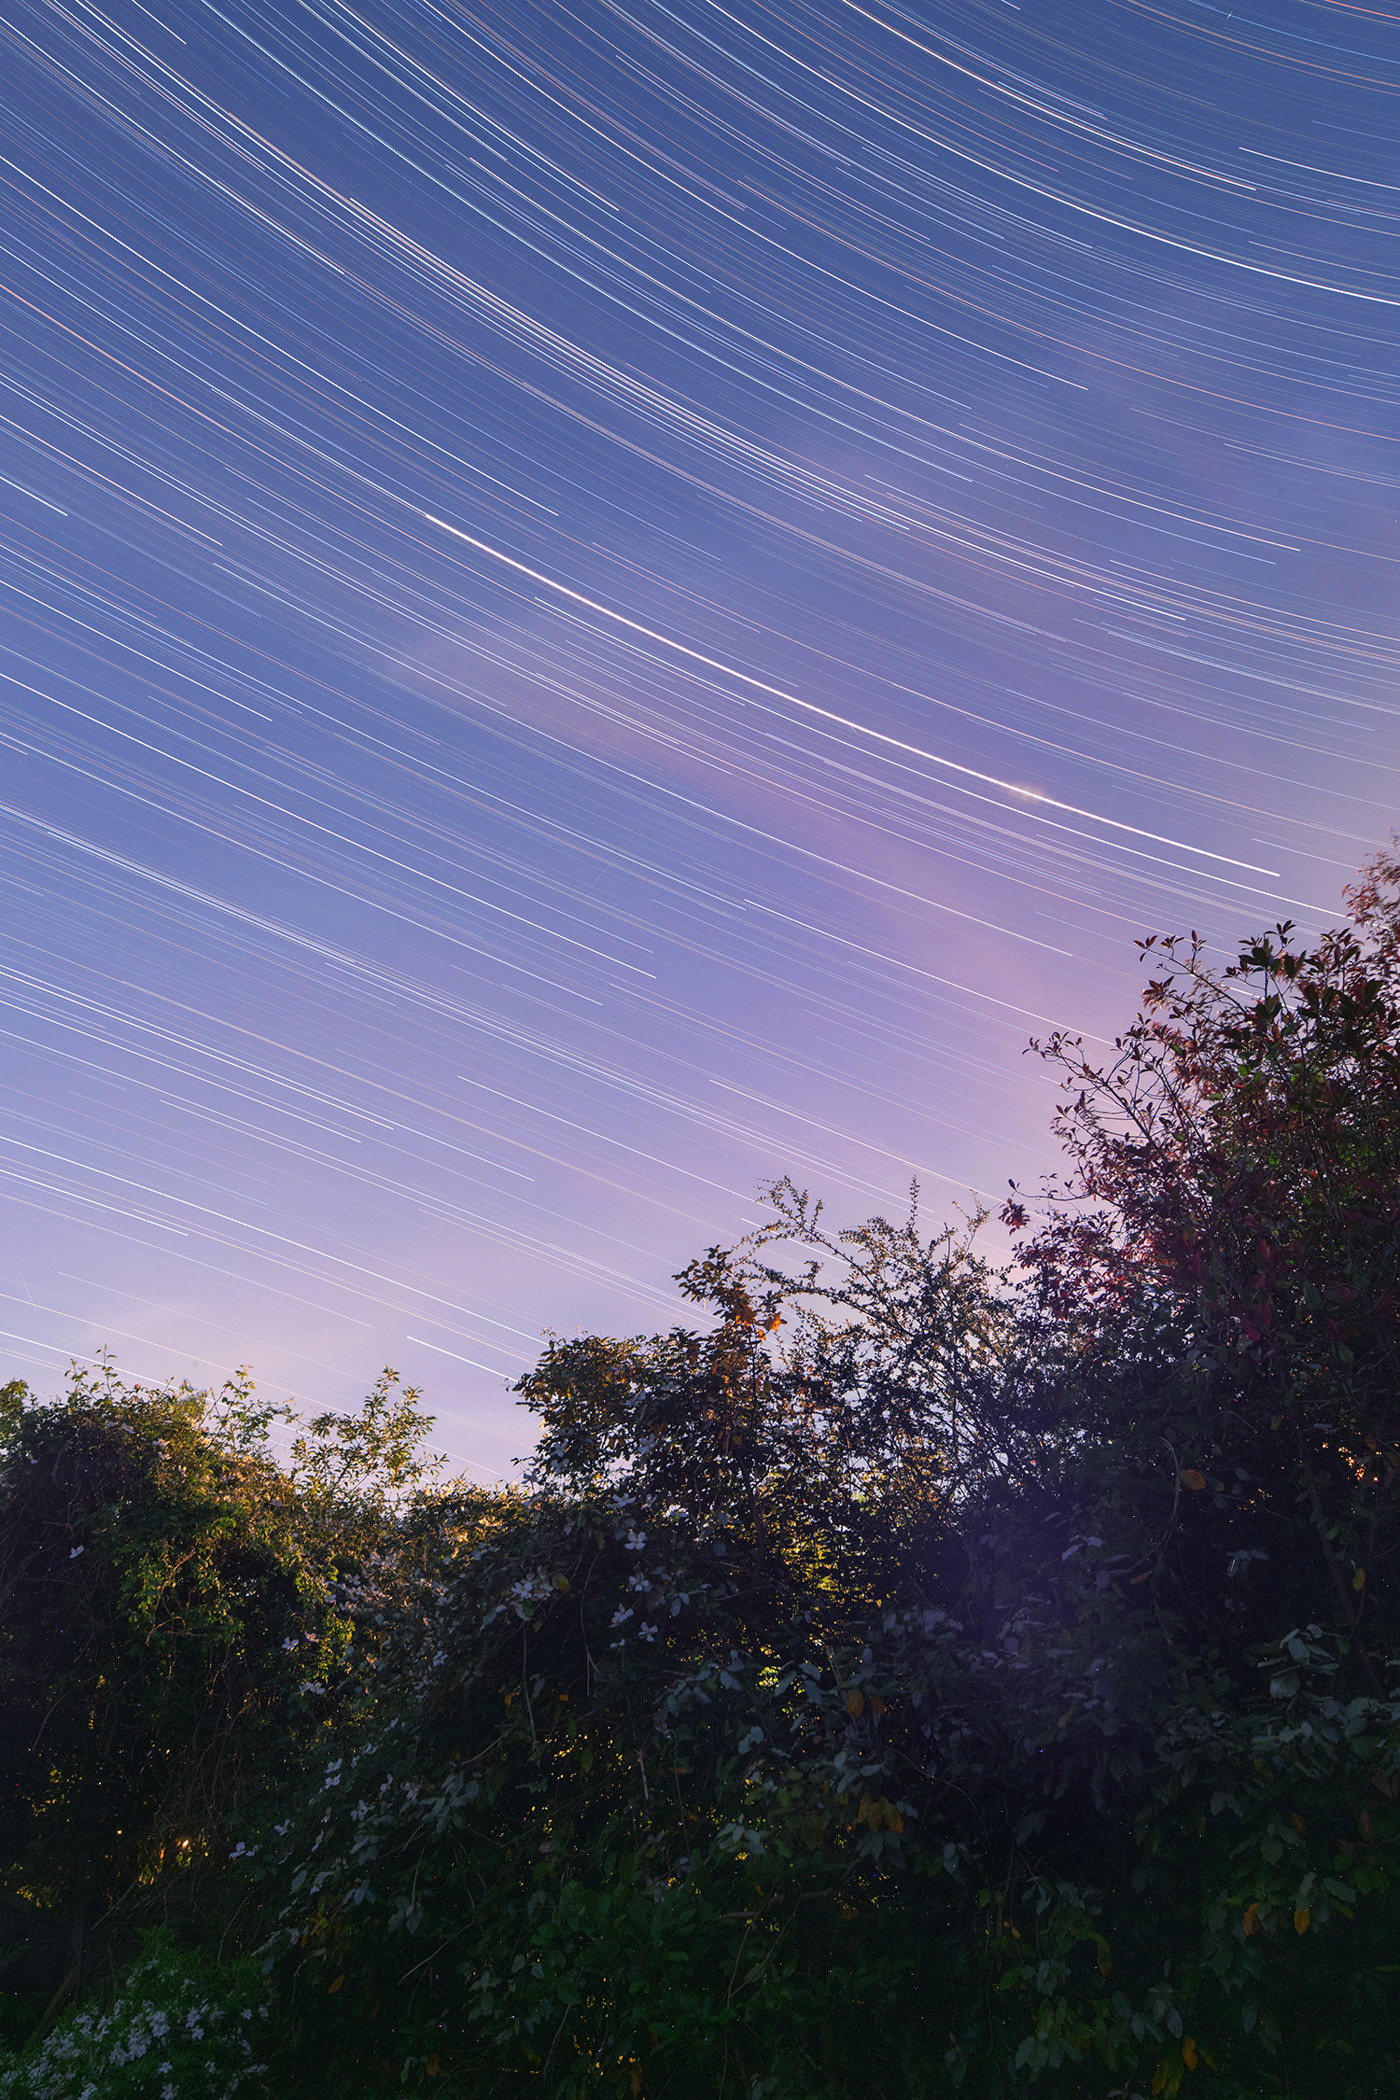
1298, 1824
1189, 2055
335, 1986
1251, 1921
1301, 1921
880, 1815
1358, 1580
877, 1706
855, 1705
433, 2065
1190, 1478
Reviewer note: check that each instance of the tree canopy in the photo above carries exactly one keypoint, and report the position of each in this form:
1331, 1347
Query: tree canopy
906, 1676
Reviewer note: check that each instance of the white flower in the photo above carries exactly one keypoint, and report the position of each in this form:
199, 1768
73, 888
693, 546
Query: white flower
76, 1551
647, 1632
635, 1541
621, 1615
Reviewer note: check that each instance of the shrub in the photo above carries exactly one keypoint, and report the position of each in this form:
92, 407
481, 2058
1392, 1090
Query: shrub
176, 2030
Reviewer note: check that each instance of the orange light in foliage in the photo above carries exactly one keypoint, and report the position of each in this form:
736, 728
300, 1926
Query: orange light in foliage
1251, 1921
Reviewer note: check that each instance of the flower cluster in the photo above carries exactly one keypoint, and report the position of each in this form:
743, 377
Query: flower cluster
171, 2034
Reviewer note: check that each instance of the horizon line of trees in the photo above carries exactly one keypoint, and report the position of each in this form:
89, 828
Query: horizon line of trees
910, 1677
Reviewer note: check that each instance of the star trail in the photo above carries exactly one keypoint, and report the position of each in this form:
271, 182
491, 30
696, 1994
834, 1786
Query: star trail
601, 603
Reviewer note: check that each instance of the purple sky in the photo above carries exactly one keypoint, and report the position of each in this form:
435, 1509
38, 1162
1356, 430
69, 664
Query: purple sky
602, 603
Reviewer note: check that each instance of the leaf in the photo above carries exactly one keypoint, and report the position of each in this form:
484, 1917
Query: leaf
1358, 1580
1190, 1478
334, 1987
1189, 2055
855, 1704
1251, 1921
1301, 1920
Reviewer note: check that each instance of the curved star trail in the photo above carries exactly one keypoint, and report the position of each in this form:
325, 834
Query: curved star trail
602, 602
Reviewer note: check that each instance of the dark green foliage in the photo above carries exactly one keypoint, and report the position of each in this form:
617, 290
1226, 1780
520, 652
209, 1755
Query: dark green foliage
654, 1803
175, 1623
176, 2025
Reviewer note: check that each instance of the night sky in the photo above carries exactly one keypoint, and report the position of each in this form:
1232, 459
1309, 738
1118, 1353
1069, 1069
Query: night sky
604, 602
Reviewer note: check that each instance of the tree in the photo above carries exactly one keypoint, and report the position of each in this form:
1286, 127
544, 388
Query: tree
175, 1620
904, 1677
1236, 1179
923, 1677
